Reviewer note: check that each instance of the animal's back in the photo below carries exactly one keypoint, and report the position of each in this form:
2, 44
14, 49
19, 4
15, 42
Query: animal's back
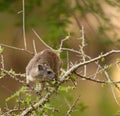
53, 60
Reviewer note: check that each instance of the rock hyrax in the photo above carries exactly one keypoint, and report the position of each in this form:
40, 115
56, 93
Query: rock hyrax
44, 66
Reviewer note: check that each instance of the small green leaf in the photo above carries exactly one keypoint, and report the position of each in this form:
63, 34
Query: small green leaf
65, 89
1, 50
12, 72
2, 73
16, 94
107, 66
105, 84
102, 59
73, 77
48, 106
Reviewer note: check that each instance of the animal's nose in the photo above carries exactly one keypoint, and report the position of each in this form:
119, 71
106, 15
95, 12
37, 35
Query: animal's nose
51, 74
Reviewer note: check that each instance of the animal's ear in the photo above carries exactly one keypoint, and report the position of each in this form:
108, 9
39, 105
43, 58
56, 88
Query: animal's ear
40, 67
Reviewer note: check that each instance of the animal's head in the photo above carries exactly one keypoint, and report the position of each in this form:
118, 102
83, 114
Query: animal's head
44, 72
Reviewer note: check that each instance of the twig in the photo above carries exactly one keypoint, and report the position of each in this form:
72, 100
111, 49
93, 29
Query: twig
68, 61
96, 80
82, 51
115, 85
11, 111
114, 95
13, 76
24, 35
16, 48
97, 58
72, 106
61, 44
97, 71
2, 61
19, 11
34, 47
71, 50
91, 79
32, 106
41, 39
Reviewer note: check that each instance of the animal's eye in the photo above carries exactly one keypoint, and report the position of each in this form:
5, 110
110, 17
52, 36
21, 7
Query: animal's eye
40, 67
49, 72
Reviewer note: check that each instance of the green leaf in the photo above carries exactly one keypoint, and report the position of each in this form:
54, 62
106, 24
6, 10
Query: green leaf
107, 66
48, 106
2, 73
12, 72
16, 94
73, 77
1, 50
102, 59
105, 84
65, 89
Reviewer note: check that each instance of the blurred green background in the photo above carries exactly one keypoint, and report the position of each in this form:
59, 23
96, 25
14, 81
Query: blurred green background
53, 21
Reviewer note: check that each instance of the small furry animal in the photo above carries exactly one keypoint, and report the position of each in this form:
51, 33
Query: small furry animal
43, 67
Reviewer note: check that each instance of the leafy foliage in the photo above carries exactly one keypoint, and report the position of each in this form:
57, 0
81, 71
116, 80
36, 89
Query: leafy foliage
16, 94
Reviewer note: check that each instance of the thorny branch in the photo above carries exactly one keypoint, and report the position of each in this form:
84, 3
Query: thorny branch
82, 51
72, 106
96, 80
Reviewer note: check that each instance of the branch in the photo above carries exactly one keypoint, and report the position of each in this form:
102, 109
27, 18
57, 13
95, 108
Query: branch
8, 113
34, 47
39, 104
82, 51
91, 79
72, 106
24, 35
75, 67
14, 76
41, 40
61, 44
16, 48
71, 50
2, 61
